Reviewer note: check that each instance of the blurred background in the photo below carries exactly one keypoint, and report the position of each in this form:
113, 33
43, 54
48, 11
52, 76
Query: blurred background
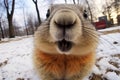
22, 17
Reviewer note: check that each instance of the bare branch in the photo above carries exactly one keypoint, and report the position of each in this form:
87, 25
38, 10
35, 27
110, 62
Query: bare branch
89, 8
6, 6
74, 2
6, 3
10, 17
35, 1
13, 7
37, 10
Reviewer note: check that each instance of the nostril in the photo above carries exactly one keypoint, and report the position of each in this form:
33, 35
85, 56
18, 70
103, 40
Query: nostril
63, 25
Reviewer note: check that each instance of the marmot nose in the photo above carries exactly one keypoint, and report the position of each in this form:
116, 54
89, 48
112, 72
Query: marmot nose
65, 19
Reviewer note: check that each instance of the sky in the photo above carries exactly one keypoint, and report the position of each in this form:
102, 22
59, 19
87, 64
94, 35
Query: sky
43, 6
30, 9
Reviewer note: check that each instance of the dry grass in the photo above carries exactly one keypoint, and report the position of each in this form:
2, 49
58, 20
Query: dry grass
3, 63
101, 76
116, 55
95, 77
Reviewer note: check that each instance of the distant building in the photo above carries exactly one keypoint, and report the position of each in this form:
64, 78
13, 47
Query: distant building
103, 18
102, 23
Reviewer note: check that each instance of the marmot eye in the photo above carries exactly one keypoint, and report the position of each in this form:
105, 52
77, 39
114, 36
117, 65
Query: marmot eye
48, 13
85, 15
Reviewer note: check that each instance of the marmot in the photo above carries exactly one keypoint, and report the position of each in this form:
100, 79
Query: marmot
65, 44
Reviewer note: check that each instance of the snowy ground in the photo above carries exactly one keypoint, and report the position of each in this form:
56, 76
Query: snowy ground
16, 59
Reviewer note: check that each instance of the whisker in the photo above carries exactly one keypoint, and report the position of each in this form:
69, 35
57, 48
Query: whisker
92, 35
89, 28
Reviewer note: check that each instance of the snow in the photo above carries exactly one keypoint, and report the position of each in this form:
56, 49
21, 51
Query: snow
109, 29
112, 76
16, 59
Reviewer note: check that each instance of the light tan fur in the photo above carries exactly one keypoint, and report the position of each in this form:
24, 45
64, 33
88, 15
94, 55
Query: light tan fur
53, 64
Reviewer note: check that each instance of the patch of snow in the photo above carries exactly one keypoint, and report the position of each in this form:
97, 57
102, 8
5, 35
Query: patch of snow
109, 29
107, 43
18, 57
96, 70
106, 65
112, 76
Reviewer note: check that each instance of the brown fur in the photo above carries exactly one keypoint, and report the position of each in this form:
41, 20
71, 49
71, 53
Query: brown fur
63, 66
52, 64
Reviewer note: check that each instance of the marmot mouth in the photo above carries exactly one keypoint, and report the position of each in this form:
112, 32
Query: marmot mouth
64, 45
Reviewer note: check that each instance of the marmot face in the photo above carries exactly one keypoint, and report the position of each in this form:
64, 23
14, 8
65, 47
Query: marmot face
66, 31
65, 28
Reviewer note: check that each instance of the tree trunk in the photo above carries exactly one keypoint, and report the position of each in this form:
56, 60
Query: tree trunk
65, 1
78, 2
2, 33
11, 28
74, 2
91, 16
38, 14
37, 10
116, 6
10, 17
32, 28
109, 15
25, 22
26, 30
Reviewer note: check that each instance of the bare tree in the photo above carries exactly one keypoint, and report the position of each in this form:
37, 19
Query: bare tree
36, 24
25, 25
74, 2
107, 7
16, 27
65, 1
37, 10
2, 32
116, 5
1, 14
10, 17
89, 8
4, 25
30, 24
78, 1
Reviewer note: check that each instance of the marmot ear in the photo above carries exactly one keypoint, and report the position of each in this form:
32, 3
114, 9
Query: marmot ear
48, 13
85, 15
